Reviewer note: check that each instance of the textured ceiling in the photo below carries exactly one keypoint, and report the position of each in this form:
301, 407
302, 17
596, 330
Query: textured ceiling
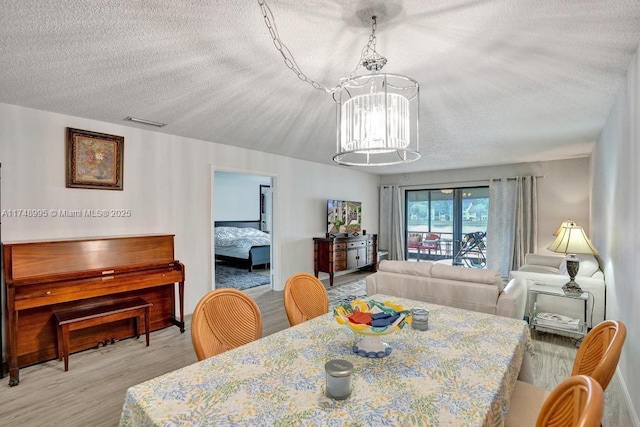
502, 81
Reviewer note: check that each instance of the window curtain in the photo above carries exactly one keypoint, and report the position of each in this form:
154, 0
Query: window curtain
512, 231
390, 234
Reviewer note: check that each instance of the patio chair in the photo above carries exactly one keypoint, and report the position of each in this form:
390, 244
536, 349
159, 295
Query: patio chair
224, 319
413, 242
472, 250
431, 242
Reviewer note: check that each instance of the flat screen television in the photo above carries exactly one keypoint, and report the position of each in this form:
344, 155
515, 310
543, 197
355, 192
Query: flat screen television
343, 217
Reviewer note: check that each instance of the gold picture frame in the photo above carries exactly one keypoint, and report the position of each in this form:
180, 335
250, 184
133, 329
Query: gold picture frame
94, 160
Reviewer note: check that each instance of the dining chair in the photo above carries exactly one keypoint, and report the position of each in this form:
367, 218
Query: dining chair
577, 401
600, 351
224, 319
305, 297
597, 358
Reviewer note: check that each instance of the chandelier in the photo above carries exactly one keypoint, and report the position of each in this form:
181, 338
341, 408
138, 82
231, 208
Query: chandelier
377, 114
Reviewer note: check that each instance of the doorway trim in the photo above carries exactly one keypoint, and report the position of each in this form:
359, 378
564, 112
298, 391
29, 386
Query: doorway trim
274, 274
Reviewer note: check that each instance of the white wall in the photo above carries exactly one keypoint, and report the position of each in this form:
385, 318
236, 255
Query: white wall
167, 187
238, 196
563, 192
615, 223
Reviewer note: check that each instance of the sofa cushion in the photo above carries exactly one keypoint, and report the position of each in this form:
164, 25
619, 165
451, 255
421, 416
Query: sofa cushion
588, 265
472, 275
437, 290
539, 259
404, 267
541, 269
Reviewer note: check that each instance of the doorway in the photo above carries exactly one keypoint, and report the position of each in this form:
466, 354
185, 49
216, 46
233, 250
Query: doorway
242, 237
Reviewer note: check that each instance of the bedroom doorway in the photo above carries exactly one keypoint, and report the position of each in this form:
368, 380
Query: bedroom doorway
242, 234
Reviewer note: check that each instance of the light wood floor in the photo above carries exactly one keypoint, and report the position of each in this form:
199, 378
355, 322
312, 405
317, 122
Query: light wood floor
92, 392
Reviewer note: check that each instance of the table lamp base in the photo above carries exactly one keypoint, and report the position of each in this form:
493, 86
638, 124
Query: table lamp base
572, 288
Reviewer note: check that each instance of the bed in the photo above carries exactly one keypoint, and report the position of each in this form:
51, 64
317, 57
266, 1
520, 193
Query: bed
242, 242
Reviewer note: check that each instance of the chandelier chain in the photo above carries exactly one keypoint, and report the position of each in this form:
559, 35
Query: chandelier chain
368, 51
370, 47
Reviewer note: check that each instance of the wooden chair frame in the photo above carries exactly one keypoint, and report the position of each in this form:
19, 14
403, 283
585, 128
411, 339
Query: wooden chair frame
577, 401
600, 351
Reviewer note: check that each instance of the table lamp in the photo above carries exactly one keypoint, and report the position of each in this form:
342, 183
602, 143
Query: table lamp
567, 223
572, 240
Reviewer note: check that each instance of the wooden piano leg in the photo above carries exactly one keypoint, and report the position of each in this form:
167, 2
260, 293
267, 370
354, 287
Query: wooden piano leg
12, 337
179, 323
14, 381
146, 324
181, 292
65, 346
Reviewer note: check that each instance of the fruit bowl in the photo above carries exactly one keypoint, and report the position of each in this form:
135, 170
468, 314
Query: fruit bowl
372, 319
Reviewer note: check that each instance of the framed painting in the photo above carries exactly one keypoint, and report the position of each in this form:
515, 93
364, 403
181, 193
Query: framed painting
94, 160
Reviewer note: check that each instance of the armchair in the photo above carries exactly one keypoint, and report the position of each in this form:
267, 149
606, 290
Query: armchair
551, 270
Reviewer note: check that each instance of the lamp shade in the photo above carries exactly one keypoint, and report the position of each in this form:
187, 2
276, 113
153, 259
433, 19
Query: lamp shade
567, 223
572, 240
377, 117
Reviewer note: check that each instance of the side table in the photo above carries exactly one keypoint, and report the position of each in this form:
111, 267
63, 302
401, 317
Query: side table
539, 289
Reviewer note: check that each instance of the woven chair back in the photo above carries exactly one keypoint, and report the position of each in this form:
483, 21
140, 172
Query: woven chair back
305, 297
600, 351
224, 319
578, 401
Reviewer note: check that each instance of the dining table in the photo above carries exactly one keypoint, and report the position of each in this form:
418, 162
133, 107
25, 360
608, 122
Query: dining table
461, 371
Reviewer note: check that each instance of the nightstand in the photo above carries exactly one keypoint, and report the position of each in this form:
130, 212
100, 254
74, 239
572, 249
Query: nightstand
540, 289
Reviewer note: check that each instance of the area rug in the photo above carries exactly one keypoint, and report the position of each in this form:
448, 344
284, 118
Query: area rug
238, 278
349, 291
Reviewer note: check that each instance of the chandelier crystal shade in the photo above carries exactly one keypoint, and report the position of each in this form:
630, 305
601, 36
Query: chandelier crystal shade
377, 120
377, 114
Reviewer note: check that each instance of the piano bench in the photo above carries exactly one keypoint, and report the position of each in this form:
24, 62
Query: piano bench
98, 314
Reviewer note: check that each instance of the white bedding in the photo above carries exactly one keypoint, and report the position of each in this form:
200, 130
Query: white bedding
232, 251
241, 238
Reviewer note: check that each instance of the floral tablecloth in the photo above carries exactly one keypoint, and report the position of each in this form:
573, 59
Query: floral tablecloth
458, 373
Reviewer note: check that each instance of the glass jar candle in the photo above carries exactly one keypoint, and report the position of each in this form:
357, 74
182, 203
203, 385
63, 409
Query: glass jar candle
338, 382
420, 319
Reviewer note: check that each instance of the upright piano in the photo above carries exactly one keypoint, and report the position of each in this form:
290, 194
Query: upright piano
41, 276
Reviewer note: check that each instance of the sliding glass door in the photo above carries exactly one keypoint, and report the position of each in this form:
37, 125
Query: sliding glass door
447, 224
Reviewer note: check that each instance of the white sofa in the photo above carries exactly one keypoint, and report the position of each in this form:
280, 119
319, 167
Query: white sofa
551, 270
469, 288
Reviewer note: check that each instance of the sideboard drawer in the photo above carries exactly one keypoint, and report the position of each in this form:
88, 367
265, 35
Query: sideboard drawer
339, 256
358, 244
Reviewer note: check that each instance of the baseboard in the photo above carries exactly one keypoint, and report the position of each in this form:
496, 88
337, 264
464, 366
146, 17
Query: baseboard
627, 400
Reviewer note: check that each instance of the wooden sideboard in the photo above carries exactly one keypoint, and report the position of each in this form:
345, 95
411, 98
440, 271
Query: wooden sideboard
332, 254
